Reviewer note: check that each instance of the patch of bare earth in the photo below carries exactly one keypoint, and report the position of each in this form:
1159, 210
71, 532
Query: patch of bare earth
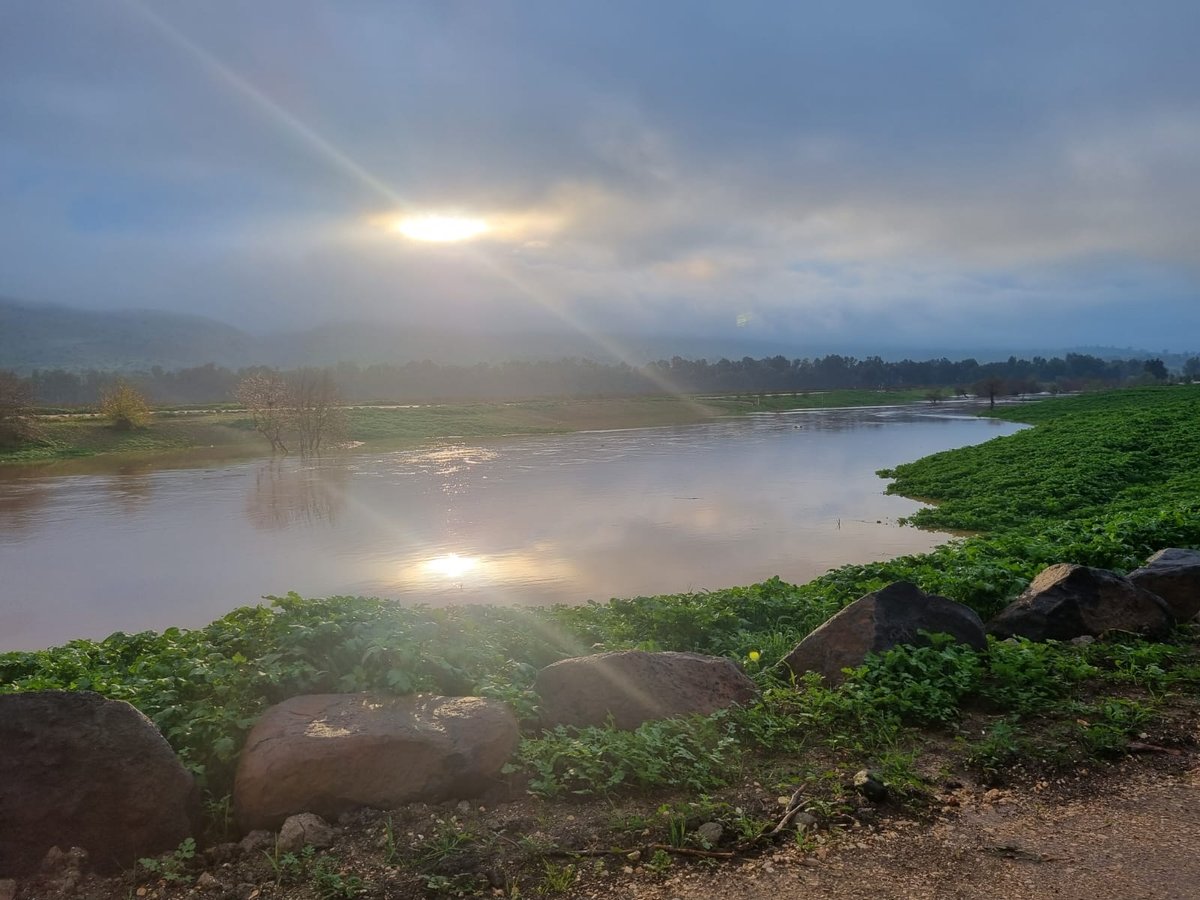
1130, 834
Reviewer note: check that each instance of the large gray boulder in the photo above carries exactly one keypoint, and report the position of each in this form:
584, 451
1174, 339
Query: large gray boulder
78, 770
635, 686
1174, 575
896, 614
1066, 601
329, 753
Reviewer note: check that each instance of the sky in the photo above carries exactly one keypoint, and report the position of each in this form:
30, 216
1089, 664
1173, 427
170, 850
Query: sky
835, 173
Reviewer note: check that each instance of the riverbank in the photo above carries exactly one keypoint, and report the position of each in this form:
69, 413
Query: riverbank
582, 817
224, 433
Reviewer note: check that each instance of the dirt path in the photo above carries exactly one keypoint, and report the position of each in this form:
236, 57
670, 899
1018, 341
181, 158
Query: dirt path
1135, 840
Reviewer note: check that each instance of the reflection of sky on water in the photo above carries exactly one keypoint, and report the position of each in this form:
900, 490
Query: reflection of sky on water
534, 520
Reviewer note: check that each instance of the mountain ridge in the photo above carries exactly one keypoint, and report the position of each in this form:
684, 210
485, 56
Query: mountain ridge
52, 336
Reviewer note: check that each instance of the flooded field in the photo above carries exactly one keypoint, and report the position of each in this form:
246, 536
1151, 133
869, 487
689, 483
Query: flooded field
85, 551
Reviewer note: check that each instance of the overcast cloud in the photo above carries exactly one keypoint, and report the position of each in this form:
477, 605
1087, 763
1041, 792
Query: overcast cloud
938, 172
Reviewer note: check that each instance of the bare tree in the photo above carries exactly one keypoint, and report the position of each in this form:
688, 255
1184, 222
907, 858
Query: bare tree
266, 395
989, 387
317, 413
16, 397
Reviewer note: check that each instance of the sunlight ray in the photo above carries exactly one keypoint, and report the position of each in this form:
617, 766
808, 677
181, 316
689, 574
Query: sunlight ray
343, 162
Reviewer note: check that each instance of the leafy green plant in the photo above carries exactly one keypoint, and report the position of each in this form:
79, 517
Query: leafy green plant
289, 867
1000, 746
173, 867
923, 685
660, 862
332, 884
1026, 677
699, 753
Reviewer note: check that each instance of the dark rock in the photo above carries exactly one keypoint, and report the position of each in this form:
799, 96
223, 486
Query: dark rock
328, 753
304, 830
635, 686
8, 889
77, 770
879, 621
870, 785
257, 841
1066, 601
1174, 575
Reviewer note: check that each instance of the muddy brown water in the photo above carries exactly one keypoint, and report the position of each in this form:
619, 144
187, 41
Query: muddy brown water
133, 546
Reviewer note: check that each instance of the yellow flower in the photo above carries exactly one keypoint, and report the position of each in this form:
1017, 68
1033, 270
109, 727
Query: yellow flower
754, 656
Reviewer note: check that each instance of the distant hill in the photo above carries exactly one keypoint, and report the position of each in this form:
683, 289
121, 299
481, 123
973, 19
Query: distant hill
44, 336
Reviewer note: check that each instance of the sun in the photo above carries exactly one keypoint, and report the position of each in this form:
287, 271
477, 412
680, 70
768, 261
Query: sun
441, 229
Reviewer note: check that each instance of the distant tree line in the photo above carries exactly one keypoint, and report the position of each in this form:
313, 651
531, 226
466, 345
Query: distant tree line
424, 382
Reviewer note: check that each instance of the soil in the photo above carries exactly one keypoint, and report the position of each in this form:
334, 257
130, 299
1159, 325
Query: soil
1128, 830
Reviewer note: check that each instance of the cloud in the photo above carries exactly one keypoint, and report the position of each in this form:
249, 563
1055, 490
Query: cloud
937, 170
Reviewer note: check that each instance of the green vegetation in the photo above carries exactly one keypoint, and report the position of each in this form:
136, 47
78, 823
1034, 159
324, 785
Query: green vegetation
1043, 706
232, 431
124, 407
1098, 455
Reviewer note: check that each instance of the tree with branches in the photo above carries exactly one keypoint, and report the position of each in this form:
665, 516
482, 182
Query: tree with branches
266, 395
319, 419
16, 398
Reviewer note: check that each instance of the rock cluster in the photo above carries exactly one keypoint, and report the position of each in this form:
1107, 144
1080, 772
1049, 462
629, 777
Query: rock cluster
1068, 601
1065, 602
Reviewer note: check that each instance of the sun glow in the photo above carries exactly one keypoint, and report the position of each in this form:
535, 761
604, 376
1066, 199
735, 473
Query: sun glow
440, 229
451, 566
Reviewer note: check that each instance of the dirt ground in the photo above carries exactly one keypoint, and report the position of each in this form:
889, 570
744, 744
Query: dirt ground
1127, 830
1133, 836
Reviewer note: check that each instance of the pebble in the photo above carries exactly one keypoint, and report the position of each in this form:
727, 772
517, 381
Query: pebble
804, 820
207, 880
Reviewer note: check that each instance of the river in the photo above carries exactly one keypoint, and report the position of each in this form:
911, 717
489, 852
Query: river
530, 520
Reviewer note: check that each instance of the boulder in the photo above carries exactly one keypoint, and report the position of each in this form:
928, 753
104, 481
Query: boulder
634, 686
1066, 601
78, 770
328, 753
896, 614
1174, 575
